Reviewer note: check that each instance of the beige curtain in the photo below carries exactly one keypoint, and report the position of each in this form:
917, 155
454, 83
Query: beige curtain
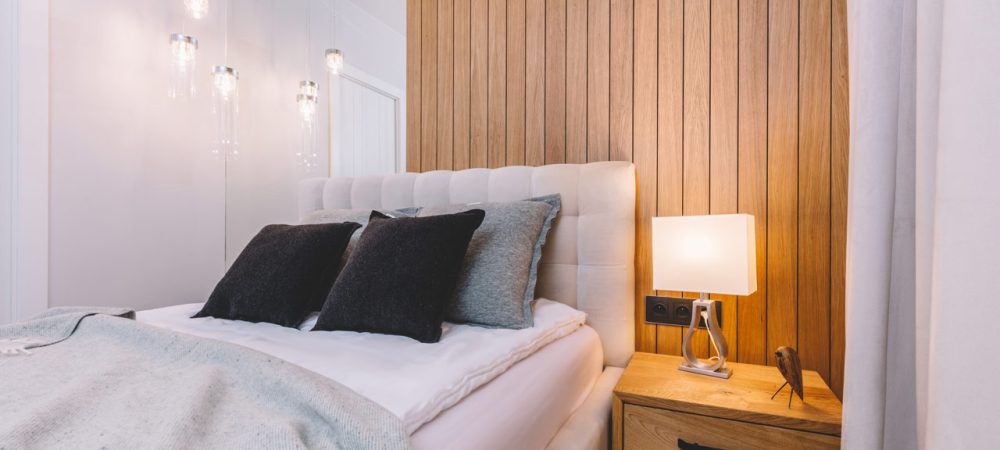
923, 225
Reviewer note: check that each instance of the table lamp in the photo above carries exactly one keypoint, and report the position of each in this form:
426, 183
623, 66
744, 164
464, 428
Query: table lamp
713, 254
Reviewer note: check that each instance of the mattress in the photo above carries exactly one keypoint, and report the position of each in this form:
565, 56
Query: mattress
414, 381
525, 406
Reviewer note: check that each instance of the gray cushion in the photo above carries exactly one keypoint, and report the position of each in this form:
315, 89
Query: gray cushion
359, 216
497, 283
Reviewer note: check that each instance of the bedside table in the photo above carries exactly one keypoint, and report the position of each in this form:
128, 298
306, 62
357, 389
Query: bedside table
656, 406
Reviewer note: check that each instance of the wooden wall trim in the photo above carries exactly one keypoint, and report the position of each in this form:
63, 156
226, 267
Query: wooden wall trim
723, 105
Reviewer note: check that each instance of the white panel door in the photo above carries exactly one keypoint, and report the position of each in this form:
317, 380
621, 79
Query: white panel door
367, 126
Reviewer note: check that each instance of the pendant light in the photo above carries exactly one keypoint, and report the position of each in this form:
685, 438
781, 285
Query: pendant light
225, 100
307, 107
335, 61
184, 52
196, 8
308, 88
307, 99
334, 56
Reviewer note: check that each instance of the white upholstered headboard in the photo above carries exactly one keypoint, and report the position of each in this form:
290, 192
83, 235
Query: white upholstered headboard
588, 259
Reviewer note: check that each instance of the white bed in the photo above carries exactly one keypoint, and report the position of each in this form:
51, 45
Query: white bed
469, 375
551, 385
588, 260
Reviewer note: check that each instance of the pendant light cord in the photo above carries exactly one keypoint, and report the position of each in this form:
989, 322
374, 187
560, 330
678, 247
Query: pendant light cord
309, 36
225, 36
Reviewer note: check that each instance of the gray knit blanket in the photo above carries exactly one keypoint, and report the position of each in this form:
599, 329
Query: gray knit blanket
90, 378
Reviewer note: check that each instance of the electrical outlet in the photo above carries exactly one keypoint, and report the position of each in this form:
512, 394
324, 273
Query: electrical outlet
674, 311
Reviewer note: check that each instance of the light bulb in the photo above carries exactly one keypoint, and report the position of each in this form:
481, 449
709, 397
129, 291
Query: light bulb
184, 48
335, 61
197, 8
225, 80
309, 88
307, 106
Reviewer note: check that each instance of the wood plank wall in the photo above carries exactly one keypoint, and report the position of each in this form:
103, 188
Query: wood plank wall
724, 106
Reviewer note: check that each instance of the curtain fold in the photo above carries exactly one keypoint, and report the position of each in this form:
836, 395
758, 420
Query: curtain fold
923, 256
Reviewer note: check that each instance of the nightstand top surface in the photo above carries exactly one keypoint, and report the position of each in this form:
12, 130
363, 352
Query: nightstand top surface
654, 380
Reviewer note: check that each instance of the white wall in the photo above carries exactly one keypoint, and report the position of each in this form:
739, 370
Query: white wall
137, 200
142, 214
262, 184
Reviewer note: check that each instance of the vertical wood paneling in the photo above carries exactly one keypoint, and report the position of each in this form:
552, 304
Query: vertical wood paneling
576, 81
839, 137
414, 63
497, 150
621, 87
515, 82
555, 81
723, 106
782, 175
463, 72
598, 82
644, 145
752, 186
814, 186
446, 84
697, 184
670, 136
534, 82
428, 85
479, 98
724, 124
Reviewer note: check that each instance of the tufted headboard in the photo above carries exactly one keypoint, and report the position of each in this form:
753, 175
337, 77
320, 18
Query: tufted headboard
588, 259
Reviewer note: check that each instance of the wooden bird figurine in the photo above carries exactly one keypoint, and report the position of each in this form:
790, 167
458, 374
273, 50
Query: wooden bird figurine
791, 369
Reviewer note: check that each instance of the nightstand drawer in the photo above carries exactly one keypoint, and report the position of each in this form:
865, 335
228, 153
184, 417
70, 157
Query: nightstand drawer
651, 428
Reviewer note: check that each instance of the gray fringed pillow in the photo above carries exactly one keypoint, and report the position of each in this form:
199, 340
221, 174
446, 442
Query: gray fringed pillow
497, 285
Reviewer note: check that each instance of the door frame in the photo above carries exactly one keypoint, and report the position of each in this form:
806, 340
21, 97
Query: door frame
369, 81
28, 40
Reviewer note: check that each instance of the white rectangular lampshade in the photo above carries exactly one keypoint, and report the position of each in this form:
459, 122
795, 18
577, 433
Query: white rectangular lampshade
714, 254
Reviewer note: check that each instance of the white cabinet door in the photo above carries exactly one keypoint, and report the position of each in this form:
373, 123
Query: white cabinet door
367, 126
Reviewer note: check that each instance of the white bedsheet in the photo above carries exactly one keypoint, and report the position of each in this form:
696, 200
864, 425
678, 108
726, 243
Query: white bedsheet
525, 406
415, 381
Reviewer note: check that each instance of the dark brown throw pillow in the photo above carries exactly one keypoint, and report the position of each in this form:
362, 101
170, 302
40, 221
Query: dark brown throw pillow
285, 272
401, 276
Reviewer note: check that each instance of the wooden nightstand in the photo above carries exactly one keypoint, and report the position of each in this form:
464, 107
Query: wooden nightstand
656, 406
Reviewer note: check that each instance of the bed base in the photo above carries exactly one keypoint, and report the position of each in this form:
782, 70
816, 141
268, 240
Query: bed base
589, 427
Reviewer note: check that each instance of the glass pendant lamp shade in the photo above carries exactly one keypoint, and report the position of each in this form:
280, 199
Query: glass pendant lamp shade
307, 106
225, 80
184, 52
183, 47
306, 157
335, 61
309, 88
197, 8
225, 96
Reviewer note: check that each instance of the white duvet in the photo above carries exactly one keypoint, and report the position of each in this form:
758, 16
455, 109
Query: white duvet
415, 381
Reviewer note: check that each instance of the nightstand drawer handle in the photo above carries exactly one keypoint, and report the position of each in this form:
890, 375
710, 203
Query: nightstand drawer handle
685, 445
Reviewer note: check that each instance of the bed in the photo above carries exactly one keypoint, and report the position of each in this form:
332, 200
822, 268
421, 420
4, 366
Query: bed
588, 264
546, 386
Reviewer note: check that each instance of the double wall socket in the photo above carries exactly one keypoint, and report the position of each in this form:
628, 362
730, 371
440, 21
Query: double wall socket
674, 311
